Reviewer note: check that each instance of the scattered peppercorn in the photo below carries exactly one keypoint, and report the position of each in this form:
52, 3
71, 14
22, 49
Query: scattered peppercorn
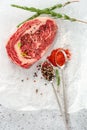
22, 80
35, 74
36, 90
34, 80
39, 68
45, 84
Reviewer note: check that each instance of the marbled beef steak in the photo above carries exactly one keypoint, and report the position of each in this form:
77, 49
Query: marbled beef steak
30, 42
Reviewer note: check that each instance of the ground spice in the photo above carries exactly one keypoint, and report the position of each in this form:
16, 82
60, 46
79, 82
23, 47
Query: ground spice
51, 58
57, 57
68, 54
60, 58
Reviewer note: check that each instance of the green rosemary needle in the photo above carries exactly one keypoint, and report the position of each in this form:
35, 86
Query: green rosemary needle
49, 11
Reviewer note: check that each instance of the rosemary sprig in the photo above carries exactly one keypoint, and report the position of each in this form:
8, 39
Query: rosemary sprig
46, 11
55, 15
69, 2
32, 17
32, 9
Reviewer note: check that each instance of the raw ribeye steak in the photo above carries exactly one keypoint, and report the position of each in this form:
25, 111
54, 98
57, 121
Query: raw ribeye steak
30, 42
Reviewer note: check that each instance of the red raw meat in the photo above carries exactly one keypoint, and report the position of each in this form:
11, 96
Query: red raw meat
30, 42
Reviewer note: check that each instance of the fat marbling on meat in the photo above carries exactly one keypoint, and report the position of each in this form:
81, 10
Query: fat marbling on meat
31, 41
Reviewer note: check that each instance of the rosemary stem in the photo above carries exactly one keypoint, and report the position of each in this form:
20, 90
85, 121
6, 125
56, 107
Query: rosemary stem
34, 16
66, 17
33, 9
81, 21
69, 2
55, 15
39, 12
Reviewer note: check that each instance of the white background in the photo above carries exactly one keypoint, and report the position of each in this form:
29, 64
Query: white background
13, 93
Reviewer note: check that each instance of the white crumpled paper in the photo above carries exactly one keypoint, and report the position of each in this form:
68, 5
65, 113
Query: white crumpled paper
18, 95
